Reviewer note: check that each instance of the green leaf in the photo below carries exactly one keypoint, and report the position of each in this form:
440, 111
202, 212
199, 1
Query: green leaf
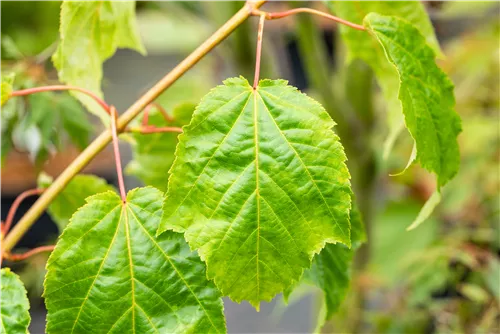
109, 274
90, 33
73, 196
7, 81
426, 94
259, 186
361, 45
153, 154
14, 304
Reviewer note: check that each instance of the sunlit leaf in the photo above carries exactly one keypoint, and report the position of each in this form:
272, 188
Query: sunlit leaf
426, 94
90, 33
259, 186
73, 196
110, 274
14, 303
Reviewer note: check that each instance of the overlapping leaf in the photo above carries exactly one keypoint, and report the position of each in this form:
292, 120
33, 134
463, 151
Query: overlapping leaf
14, 304
90, 33
110, 274
153, 154
361, 45
73, 196
426, 94
259, 186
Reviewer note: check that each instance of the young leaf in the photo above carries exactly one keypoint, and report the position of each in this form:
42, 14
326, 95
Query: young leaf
90, 33
153, 154
259, 185
110, 274
361, 45
6, 87
73, 196
14, 303
426, 94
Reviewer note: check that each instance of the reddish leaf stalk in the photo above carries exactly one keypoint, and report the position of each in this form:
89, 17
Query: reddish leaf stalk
29, 91
148, 129
24, 256
145, 117
15, 206
279, 15
259, 50
118, 160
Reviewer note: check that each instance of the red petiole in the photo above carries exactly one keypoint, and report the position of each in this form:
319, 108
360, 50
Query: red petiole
42, 89
279, 15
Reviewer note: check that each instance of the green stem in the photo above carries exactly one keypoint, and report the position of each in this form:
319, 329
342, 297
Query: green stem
105, 138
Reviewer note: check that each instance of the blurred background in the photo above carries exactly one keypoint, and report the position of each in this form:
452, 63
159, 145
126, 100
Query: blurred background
443, 277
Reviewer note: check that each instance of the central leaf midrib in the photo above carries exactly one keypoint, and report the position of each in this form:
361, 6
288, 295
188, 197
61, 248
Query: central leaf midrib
257, 193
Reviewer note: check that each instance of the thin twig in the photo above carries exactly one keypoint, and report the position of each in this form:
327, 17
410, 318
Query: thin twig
279, 15
259, 50
15, 206
118, 160
24, 256
29, 91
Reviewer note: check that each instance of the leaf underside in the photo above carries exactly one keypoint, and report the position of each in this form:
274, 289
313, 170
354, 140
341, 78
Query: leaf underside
90, 33
259, 185
14, 304
110, 274
426, 94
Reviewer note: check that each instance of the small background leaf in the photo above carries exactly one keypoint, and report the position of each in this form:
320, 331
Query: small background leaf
73, 196
90, 33
153, 154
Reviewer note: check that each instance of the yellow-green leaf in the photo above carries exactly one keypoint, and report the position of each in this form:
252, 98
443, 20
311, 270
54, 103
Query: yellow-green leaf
110, 274
259, 186
90, 33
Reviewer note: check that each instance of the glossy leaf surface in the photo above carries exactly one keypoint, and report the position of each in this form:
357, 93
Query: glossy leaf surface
426, 94
14, 304
110, 274
259, 186
73, 196
90, 33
